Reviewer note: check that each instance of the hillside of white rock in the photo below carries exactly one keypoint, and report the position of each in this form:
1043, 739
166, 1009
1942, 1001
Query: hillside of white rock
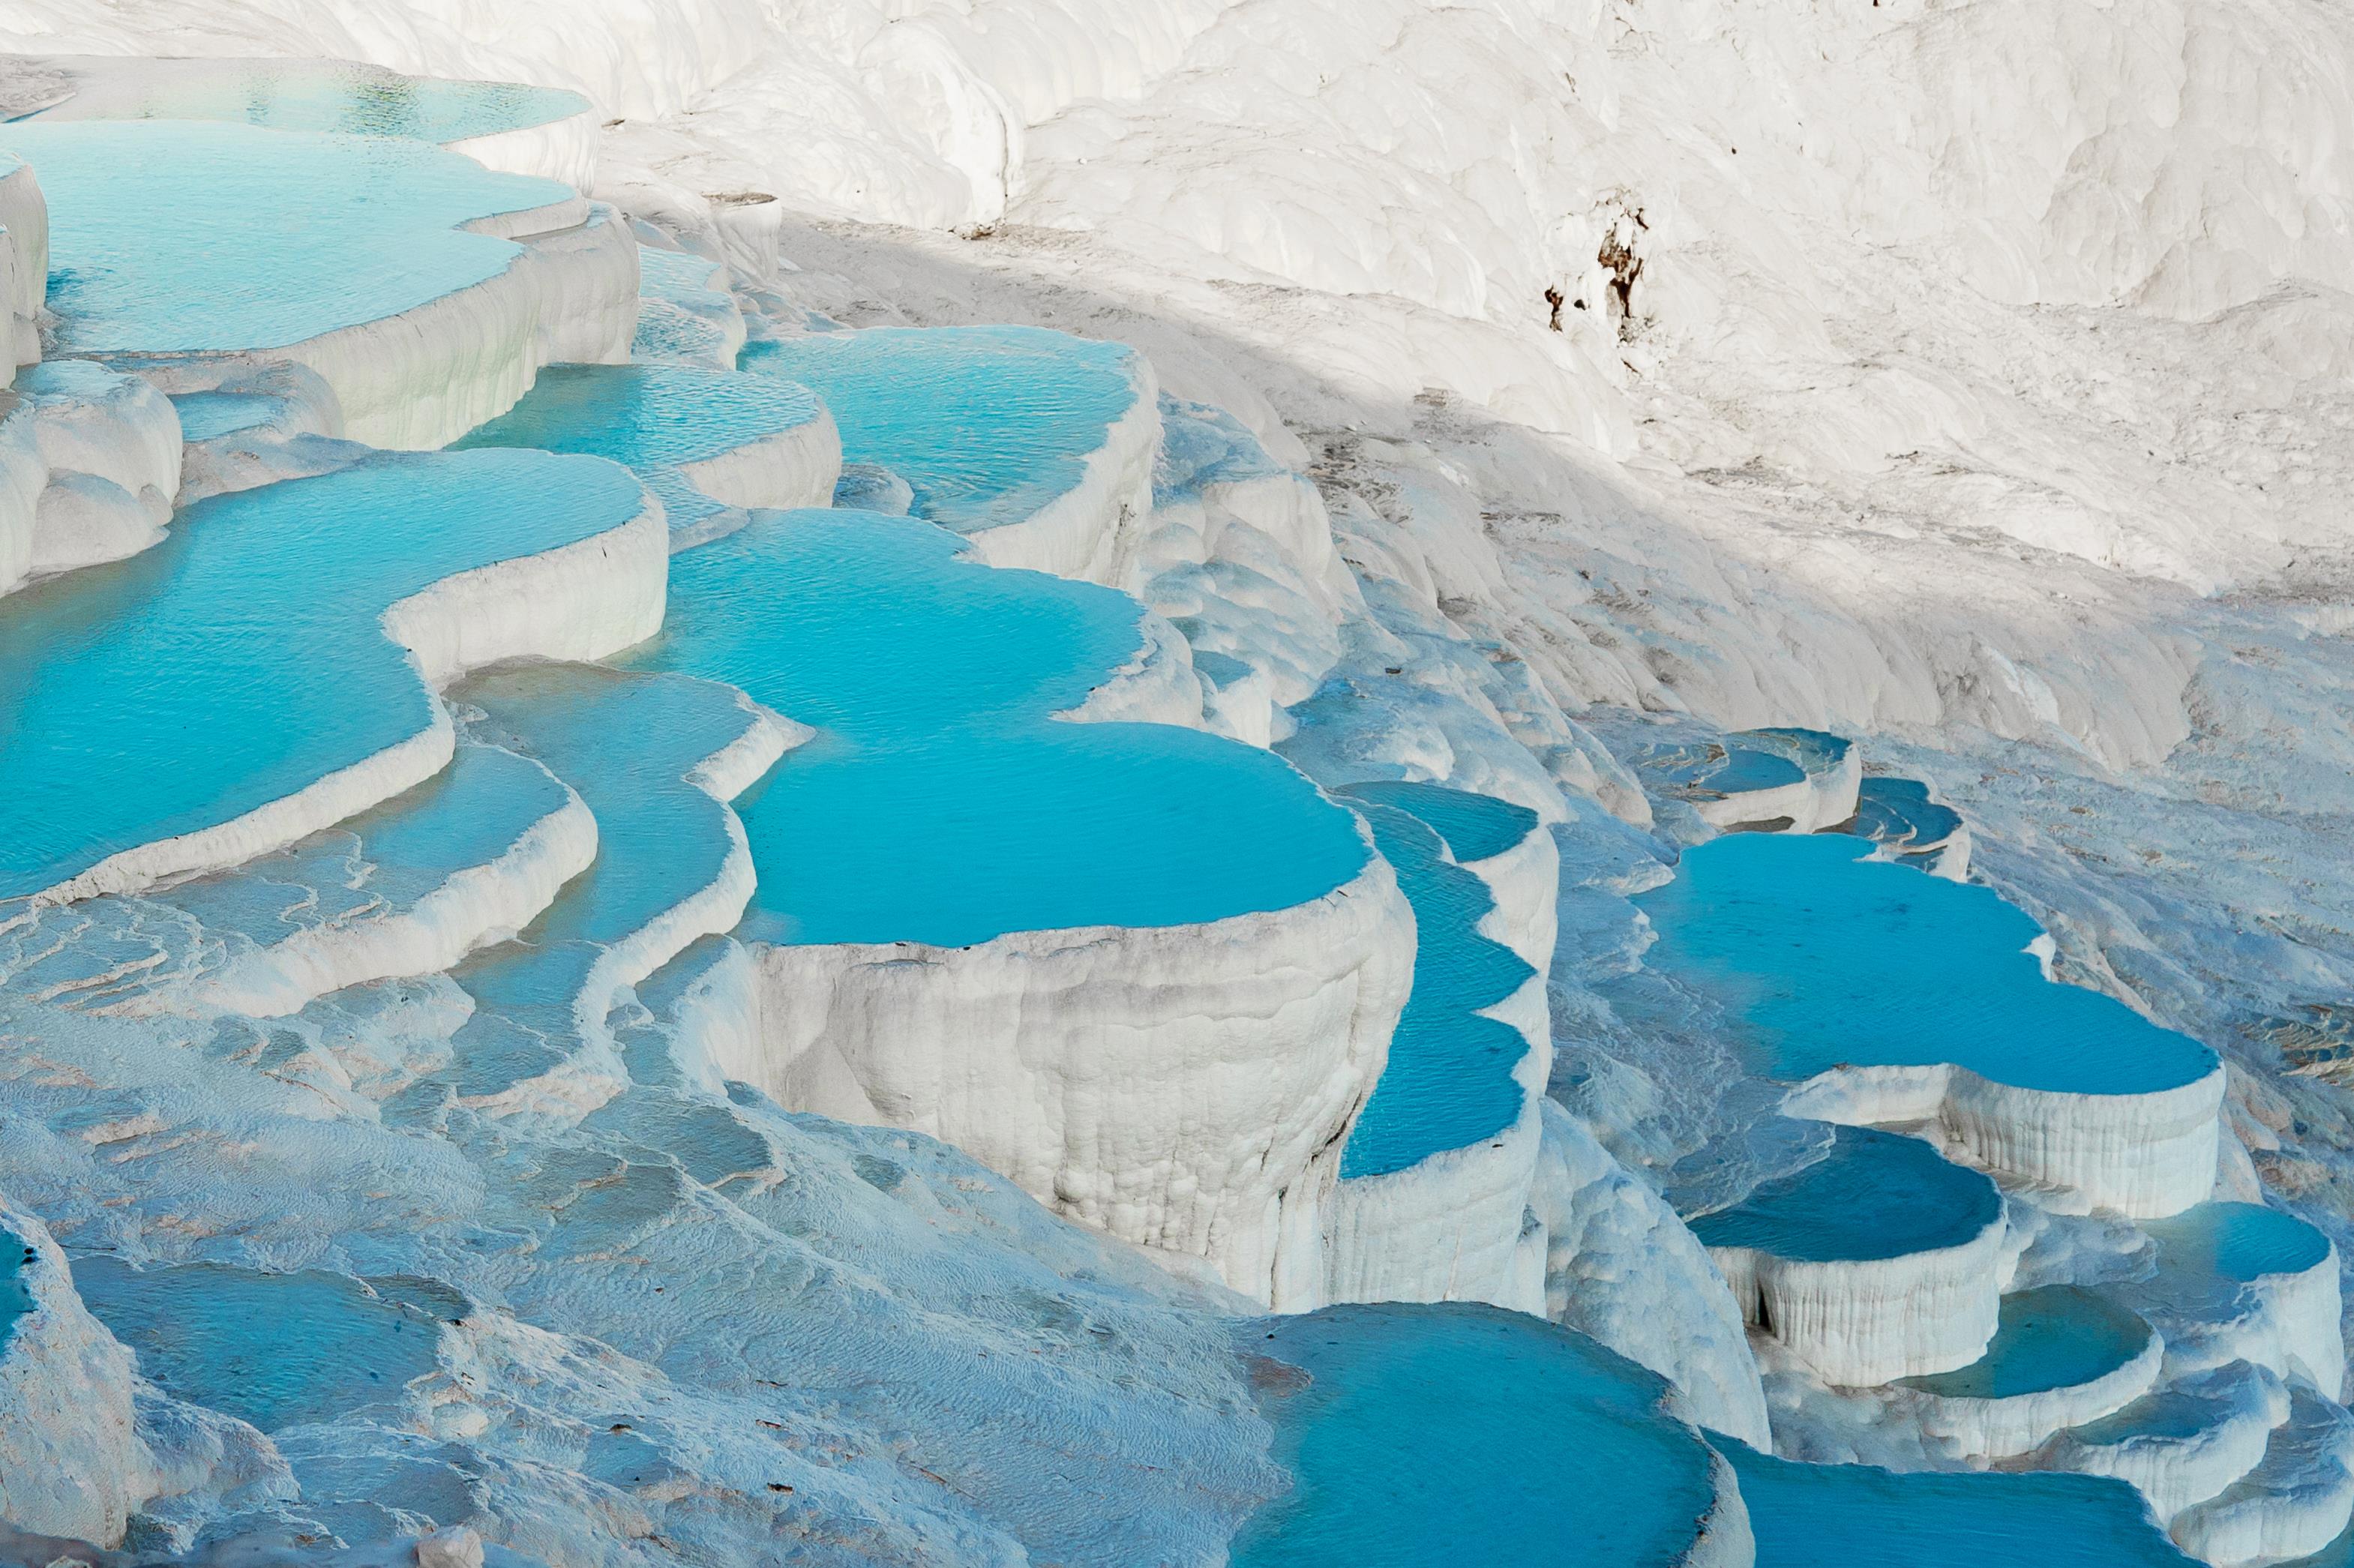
1264, 783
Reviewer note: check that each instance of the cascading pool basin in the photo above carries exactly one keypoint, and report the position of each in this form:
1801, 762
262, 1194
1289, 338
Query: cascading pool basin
1898, 813
940, 802
987, 425
2052, 1337
275, 1350
1475, 827
1709, 771
646, 416
661, 840
2241, 1243
170, 236
1425, 1435
243, 658
1857, 1516
1874, 1195
1448, 1081
1822, 957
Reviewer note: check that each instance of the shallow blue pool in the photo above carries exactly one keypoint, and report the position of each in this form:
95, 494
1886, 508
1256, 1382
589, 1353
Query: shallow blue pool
2241, 1242
1875, 1195
1822, 957
940, 802
275, 1350
986, 424
204, 414
1856, 1516
1448, 1081
383, 860
2056, 1336
1898, 812
1706, 771
315, 95
178, 235
242, 657
1428, 1435
1474, 826
646, 416
1814, 751
626, 742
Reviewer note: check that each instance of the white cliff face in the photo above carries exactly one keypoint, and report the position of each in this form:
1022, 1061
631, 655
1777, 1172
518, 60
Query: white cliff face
1125, 1075
74, 1462
2144, 1155
1621, 1267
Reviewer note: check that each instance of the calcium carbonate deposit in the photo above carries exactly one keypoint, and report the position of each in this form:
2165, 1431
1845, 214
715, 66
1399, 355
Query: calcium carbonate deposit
1000, 782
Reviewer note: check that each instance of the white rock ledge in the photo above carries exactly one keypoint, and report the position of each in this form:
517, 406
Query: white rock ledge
2146, 1155
71, 1460
420, 379
2002, 1429
1183, 1087
581, 601
1863, 1321
2175, 1467
1092, 530
793, 468
476, 905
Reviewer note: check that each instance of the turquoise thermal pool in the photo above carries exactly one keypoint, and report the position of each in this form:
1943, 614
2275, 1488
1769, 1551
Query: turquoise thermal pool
1857, 1516
2056, 1336
1706, 769
646, 416
1454, 1433
190, 236
207, 415
660, 839
1448, 1082
1875, 1195
310, 95
275, 1350
1475, 827
2237, 1242
254, 626
987, 425
1822, 957
941, 802
1899, 813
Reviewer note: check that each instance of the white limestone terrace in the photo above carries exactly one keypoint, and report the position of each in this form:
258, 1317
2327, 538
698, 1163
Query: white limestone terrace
1793, 780
1037, 446
86, 1442
426, 293
2184, 1443
501, 125
686, 314
672, 867
89, 466
710, 443
1069, 975
338, 606
2061, 1356
1742, 658
1880, 1260
407, 888
1893, 997
1909, 824
24, 261
1437, 1175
